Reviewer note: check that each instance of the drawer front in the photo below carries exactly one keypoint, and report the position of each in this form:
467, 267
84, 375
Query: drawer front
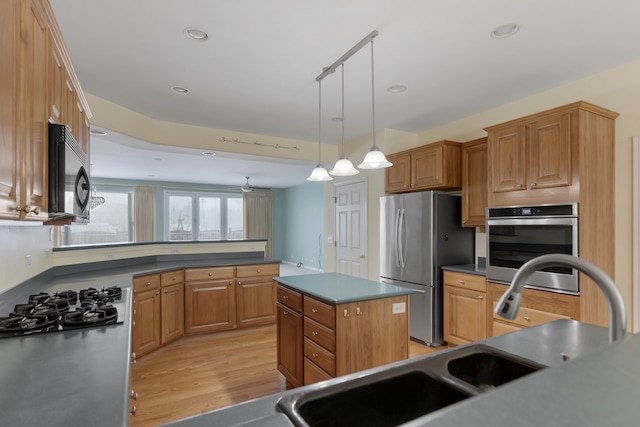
466, 281
290, 298
203, 274
320, 334
269, 270
313, 374
500, 328
171, 277
145, 283
531, 317
320, 312
320, 356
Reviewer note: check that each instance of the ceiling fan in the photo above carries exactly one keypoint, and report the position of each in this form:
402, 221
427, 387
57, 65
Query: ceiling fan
247, 188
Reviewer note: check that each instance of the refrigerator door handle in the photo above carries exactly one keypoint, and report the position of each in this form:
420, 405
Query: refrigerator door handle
402, 237
396, 234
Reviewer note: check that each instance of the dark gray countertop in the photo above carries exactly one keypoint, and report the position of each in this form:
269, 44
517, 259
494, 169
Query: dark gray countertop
82, 376
475, 269
339, 288
598, 386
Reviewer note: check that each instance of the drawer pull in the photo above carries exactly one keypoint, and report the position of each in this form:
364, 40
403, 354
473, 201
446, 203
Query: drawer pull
148, 284
527, 318
285, 313
259, 271
174, 278
314, 333
461, 282
345, 313
285, 296
480, 297
314, 310
358, 311
210, 274
315, 355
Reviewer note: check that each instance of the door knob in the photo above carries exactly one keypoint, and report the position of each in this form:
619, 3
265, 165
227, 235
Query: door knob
361, 256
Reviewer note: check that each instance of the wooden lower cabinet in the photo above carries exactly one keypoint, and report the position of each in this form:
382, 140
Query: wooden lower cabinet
146, 314
289, 342
210, 306
334, 340
537, 307
172, 305
256, 294
465, 308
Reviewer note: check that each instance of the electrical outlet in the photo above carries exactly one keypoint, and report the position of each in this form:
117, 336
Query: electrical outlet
399, 307
252, 248
174, 251
27, 259
110, 256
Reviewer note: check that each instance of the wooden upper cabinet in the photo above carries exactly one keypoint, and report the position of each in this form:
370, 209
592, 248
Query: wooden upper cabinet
9, 114
474, 183
430, 167
537, 159
57, 81
398, 176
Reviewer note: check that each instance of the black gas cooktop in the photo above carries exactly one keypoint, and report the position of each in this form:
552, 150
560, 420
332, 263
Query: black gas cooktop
63, 310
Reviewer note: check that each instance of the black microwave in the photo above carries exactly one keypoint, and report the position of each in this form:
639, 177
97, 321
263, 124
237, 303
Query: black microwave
69, 188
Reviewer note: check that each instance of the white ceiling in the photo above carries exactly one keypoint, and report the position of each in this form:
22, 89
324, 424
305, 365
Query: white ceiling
256, 72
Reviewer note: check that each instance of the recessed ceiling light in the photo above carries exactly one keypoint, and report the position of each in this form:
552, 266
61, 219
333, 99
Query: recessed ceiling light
397, 88
158, 159
208, 153
504, 31
97, 132
179, 89
196, 34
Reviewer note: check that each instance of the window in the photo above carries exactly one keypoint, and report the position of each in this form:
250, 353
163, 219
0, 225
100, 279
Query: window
111, 222
202, 216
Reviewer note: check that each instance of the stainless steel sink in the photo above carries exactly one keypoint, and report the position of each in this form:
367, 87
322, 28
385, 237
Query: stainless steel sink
405, 391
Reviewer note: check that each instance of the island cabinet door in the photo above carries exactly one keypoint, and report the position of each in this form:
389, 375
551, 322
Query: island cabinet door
371, 333
290, 347
210, 306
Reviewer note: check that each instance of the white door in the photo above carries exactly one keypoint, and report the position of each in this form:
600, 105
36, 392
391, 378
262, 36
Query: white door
351, 228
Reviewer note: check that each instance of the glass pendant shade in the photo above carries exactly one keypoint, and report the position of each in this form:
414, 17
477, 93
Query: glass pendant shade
375, 159
319, 174
344, 167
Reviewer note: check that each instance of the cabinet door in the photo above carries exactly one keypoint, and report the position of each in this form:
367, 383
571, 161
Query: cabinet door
290, 347
371, 333
57, 81
146, 318
172, 307
34, 129
474, 183
550, 152
507, 151
465, 315
427, 168
398, 176
9, 111
210, 306
256, 301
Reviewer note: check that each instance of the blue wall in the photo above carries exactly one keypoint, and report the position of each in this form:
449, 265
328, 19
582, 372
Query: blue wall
303, 222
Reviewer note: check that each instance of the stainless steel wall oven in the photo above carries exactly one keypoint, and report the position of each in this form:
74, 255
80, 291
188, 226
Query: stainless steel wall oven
516, 235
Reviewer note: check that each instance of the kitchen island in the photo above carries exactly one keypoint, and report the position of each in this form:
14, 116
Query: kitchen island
332, 324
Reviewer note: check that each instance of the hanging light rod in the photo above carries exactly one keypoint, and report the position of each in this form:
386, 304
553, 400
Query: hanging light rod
333, 67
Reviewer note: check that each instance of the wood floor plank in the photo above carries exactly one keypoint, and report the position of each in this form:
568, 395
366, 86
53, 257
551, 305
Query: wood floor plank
201, 373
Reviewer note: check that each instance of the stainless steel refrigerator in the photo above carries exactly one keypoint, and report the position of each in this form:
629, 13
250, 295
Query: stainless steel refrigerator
420, 232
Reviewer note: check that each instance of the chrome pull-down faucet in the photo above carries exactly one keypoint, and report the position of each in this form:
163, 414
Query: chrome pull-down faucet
509, 303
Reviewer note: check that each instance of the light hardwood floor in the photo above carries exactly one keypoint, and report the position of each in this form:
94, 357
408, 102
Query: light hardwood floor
205, 372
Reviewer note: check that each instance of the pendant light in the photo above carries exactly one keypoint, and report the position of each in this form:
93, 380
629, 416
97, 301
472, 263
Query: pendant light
343, 167
319, 173
374, 159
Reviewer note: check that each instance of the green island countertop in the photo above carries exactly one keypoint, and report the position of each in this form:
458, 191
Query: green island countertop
337, 288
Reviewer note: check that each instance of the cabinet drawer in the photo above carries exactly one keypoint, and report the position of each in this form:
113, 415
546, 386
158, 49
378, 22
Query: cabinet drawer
171, 277
500, 328
290, 298
466, 281
320, 356
270, 270
313, 374
320, 334
531, 317
144, 283
320, 311
215, 273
